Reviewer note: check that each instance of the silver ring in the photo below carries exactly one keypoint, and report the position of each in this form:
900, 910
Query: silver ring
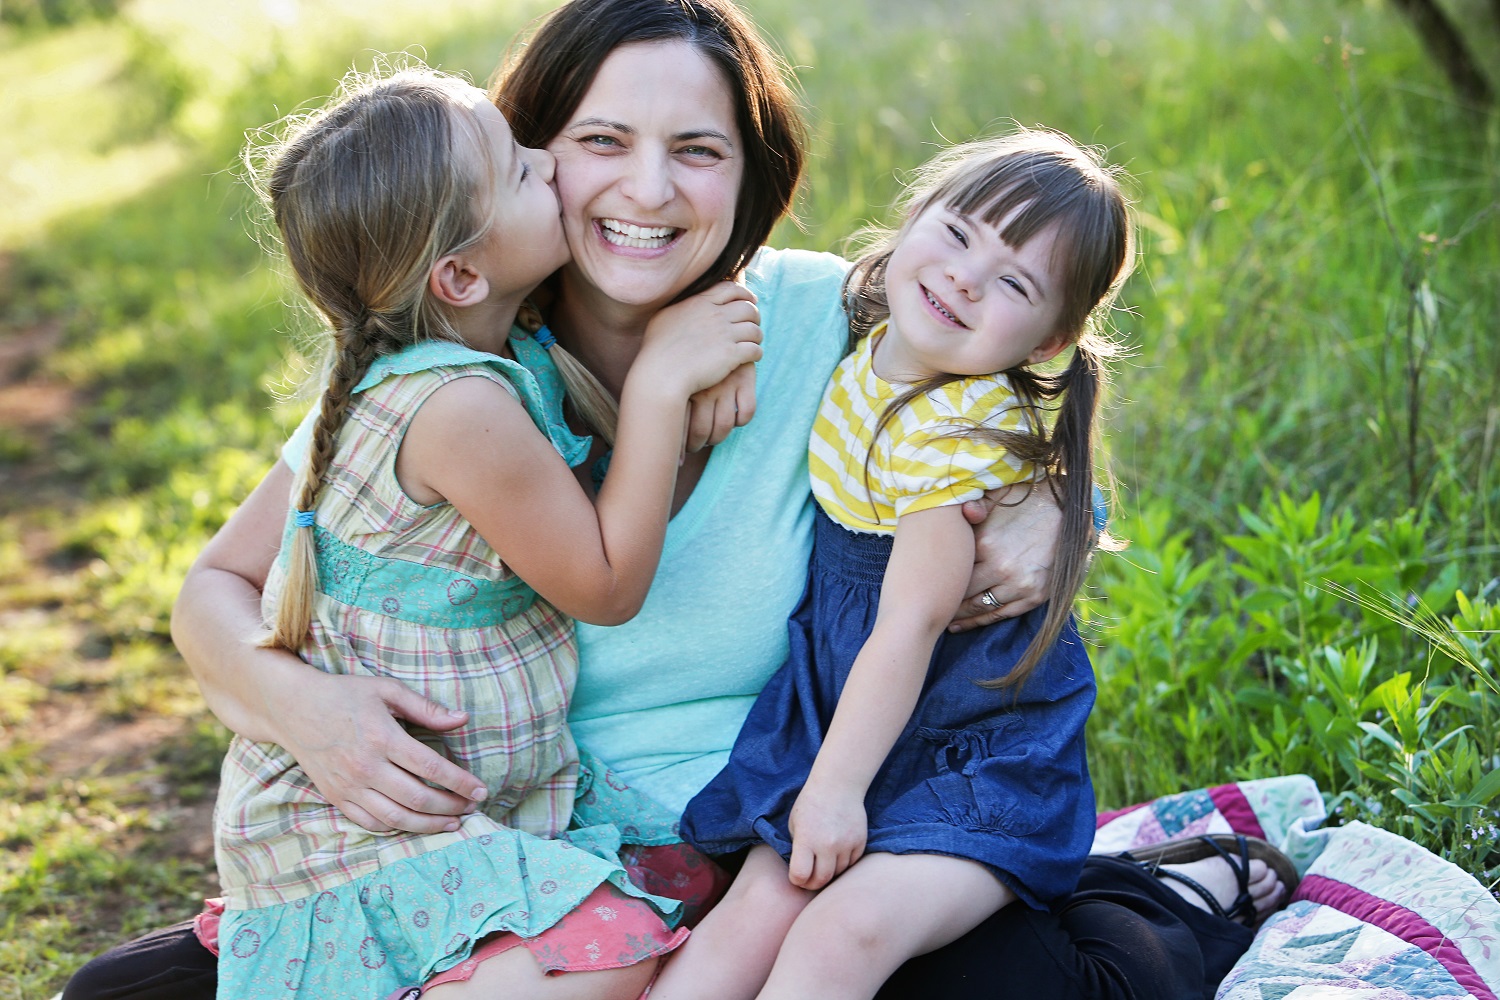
988, 600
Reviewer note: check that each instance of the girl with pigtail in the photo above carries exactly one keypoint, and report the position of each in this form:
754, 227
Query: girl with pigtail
896, 784
438, 536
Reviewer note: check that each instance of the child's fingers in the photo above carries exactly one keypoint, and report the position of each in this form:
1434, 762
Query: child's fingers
744, 396
800, 867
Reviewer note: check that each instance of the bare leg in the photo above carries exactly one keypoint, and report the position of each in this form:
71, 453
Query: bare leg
732, 950
885, 909
515, 973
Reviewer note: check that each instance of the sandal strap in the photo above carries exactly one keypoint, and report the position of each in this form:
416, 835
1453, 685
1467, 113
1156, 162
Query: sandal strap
1243, 907
1198, 887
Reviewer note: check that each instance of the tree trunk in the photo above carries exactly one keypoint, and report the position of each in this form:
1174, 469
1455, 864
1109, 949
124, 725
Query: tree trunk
1445, 45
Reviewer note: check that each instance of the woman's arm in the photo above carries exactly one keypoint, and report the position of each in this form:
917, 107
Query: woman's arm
924, 581
1014, 543
343, 730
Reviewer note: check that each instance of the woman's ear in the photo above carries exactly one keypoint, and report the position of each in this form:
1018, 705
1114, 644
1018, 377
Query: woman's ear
1049, 348
455, 281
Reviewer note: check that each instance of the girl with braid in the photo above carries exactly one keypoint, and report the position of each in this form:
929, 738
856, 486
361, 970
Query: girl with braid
439, 536
896, 784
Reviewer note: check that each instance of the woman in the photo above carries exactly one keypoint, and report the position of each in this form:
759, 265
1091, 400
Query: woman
678, 148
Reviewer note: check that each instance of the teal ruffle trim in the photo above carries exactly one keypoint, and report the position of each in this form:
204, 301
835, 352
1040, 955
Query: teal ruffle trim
605, 802
411, 920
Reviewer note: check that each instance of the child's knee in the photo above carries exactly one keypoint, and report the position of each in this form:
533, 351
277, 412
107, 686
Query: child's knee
767, 898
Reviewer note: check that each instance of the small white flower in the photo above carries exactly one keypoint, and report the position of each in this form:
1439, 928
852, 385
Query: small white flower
606, 913
593, 950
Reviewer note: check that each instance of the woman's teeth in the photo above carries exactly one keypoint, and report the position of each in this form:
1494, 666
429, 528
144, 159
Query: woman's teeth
623, 234
939, 307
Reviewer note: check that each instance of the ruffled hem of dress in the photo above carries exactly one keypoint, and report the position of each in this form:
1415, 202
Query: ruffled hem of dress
410, 920
604, 800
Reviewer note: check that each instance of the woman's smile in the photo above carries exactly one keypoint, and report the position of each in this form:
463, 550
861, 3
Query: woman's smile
630, 236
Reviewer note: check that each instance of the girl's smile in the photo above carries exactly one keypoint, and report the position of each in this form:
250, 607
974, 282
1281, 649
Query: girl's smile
649, 173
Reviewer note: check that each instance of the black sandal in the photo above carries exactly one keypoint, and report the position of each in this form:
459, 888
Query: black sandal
1209, 845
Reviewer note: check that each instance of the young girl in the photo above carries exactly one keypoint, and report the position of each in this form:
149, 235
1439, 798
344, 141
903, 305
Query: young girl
926, 779
439, 536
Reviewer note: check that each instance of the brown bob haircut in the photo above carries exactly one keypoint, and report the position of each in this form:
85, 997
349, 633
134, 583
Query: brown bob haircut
545, 79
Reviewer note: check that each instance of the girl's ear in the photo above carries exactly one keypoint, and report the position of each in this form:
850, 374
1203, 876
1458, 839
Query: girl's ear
1049, 348
455, 281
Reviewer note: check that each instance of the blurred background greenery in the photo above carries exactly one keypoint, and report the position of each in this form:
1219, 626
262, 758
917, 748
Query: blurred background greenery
1305, 435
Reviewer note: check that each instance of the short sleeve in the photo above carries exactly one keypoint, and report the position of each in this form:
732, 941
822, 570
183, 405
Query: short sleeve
933, 458
941, 465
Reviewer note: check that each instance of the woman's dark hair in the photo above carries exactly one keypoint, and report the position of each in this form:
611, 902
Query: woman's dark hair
1025, 183
545, 79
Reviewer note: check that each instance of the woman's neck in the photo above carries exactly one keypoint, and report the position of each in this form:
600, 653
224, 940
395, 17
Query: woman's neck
603, 334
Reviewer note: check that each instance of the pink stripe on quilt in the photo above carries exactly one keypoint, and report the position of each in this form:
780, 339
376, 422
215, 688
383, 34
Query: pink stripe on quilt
1105, 817
1235, 808
1398, 920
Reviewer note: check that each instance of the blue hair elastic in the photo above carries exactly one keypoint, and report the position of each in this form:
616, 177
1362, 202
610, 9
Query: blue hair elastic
543, 336
304, 518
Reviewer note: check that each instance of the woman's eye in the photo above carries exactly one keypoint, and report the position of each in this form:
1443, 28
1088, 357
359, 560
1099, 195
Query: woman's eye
600, 141
700, 151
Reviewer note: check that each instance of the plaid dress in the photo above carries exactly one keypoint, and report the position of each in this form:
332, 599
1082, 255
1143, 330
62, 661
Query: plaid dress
316, 904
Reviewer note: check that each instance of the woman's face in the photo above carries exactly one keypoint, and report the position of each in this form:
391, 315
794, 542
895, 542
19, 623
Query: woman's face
648, 172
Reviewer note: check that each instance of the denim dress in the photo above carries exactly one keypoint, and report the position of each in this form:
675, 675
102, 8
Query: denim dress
993, 775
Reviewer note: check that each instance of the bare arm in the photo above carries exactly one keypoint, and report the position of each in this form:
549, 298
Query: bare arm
924, 582
342, 730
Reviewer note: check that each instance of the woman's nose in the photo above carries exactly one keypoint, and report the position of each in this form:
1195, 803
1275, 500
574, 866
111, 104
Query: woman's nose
648, 181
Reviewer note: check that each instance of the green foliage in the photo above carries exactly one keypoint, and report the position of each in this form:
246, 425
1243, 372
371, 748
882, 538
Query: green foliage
1310, 645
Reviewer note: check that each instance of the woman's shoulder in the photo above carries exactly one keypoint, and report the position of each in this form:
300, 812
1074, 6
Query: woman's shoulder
775, 273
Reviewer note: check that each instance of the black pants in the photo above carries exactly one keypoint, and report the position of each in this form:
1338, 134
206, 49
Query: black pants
1121, 936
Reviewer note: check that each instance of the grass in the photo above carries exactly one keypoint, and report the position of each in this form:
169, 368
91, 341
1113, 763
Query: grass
1306, 433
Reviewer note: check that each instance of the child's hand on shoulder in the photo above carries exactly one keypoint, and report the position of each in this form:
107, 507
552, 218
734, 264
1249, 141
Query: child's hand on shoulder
694, 344
828, 828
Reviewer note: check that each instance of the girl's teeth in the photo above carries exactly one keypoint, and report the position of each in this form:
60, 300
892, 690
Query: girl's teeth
939, 306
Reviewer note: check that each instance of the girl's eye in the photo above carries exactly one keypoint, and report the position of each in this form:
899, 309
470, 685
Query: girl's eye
1017, 286
957, 234
525, 172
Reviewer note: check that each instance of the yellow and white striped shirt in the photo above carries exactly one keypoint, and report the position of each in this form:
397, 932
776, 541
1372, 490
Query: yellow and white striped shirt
918, 461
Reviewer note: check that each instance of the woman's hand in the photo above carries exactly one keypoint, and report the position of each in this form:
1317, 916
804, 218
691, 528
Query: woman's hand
1014, 543
828, 829
716, 411
341, 729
